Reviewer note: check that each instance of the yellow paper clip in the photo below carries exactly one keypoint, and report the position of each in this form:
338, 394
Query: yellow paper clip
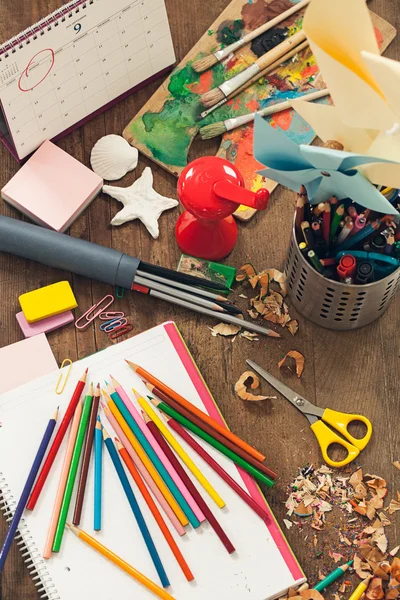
59, 390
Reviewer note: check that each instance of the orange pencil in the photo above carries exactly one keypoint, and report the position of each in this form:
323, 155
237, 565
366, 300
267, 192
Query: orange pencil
194, 410
154, 510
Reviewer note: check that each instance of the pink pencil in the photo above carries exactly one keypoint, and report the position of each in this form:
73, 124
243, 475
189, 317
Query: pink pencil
143, 471
157, 448
63, 481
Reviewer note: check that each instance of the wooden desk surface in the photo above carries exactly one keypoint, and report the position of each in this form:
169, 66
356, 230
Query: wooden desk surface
349, 371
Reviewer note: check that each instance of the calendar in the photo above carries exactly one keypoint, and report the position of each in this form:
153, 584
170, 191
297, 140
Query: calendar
77, 62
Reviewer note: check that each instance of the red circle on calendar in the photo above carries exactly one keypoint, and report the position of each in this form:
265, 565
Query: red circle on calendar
37, 70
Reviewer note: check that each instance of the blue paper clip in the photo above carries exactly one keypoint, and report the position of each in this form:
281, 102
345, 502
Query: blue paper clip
109, 326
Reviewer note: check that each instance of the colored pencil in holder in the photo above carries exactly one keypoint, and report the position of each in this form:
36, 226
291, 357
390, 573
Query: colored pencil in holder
98, 475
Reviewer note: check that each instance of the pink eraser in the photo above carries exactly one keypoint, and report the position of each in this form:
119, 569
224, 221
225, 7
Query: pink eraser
45, 325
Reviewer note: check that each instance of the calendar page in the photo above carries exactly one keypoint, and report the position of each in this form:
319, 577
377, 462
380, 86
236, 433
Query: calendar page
76, 64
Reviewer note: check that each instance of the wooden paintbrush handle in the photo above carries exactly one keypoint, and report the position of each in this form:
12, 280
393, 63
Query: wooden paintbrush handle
221, 54
276, 53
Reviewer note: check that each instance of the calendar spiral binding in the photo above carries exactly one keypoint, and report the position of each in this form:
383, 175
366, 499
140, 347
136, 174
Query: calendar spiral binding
29, 551
52, 20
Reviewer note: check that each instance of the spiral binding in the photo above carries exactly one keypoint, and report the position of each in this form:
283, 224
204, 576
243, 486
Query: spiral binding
40, 28
35, 563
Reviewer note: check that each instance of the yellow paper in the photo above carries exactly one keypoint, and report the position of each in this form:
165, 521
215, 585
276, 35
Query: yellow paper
326, 122
338, 31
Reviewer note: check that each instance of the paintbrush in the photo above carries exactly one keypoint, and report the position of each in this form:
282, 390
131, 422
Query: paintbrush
215, 129
276, 65
228, 87
211, 59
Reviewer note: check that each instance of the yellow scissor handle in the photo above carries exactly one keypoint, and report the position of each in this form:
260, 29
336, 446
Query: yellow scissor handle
326, 437
340, 421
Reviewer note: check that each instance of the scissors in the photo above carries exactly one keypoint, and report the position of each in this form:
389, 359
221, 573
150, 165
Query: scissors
317, 417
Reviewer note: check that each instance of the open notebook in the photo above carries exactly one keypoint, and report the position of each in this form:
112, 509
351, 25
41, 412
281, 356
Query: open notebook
263, 566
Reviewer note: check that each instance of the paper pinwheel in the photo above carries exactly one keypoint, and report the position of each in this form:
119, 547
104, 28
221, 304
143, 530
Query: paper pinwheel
324, 172
361, 83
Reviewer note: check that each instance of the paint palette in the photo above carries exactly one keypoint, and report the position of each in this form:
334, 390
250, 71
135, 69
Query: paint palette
166, 126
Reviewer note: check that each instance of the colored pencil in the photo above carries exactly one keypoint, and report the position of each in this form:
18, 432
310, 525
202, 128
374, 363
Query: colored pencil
186, 501
333, 576
193, 409
185, 435
326, 223
300, 209
148, 540
63, 481
87, 453
98, 475
27, 490
335, 222
213, 442
189, 484
360, 589
48, 463
149, 450
144, 472
181, 453
122, 564
76, 455
146, 461
215, 434
154, 510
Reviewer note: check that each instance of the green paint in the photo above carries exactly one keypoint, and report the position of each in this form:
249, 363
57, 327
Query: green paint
210, 32
230, 32
180, 80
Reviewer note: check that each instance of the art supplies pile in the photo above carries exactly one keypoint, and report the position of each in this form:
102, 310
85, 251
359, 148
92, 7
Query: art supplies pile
161, 503
346, 242
349, 513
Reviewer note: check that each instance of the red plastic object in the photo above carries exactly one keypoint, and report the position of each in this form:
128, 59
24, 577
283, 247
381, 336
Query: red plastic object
210, 189
347, 266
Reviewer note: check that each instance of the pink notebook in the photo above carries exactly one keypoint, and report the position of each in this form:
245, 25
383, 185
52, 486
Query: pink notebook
263, 566
52, 188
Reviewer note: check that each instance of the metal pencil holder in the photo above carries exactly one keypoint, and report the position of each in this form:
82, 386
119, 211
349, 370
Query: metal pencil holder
331, 304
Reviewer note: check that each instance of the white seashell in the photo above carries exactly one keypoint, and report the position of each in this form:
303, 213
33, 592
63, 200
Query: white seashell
112, 157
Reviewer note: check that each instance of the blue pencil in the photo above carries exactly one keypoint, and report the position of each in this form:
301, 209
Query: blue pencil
353, 240
98, 474
136, 509
27, 489
153, 456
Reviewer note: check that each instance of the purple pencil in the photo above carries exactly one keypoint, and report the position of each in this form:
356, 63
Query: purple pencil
27, 490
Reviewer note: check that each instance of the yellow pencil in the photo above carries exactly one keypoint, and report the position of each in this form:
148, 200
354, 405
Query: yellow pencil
117, 560
146, 461
360, 589
179, 450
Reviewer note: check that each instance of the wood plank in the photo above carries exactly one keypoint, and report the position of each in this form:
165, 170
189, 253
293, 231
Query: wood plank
357, 370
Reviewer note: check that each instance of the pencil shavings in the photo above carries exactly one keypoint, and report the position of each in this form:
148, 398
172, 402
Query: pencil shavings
311, 595
394, 506
293, 327
396, 464
252, 337
395, 569
375, 589
298, 357
278, 277
249, 379
288, 524
394, 551
247, 271
225, 329
362, 568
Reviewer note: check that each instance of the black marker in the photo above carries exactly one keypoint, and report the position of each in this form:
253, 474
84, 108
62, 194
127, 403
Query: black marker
365, 273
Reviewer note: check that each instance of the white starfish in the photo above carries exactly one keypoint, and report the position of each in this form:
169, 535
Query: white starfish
141, 202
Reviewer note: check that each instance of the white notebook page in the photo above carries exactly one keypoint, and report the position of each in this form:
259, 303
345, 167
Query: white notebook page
81, 64
256, 571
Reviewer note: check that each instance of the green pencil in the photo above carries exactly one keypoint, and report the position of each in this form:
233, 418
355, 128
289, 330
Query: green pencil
73, 469
335, 222
339, 572
215, 443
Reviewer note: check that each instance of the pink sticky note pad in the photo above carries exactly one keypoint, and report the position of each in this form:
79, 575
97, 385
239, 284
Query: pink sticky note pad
52, 188
25, 361
45, 325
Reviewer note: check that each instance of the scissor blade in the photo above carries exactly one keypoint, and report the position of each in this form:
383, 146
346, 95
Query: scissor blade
303, 406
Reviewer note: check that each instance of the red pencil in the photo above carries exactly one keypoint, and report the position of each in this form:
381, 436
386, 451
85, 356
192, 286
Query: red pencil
48, 463
154, 510
190, 485
326, 222
185, 435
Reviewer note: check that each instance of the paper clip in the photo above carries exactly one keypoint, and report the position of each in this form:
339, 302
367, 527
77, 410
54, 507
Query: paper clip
113, 324
59, 390
106, 316
120, 292
96, 309
120, 331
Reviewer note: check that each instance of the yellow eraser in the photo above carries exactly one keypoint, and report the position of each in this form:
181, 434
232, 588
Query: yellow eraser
47, 301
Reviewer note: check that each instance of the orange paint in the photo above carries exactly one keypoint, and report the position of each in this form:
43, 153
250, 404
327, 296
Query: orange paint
205, 83
379, 36
309, 71
283, 119
242, 140
252, 105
